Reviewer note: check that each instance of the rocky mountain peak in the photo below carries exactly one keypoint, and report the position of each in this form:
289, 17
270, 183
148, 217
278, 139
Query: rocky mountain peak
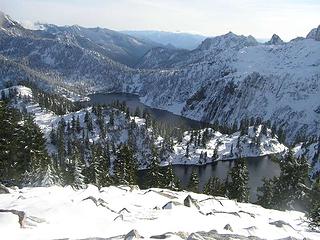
6, 21
229, 40
275, 40
314, 34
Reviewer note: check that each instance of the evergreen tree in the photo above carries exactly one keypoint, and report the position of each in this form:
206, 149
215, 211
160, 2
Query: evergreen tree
154, 176
103, 158
76, 175
78, 125
187, 151
137, 112
214, 187
93, 171
266, 196
171, 181
45, 175
111, 120
234, 127
289, 189
314, 212
125, 168
215, 154
193, 184
238, 187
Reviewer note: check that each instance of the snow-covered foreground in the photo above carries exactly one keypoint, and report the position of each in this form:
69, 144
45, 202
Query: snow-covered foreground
113, 212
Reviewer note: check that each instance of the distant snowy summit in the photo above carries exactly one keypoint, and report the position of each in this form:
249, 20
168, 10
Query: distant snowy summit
275, 40
229, 40
314, 34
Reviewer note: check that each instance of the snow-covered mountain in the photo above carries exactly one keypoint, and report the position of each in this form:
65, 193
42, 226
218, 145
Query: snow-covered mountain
115, 45
314, 34
230, 77
225, 79
126, 212
275, 40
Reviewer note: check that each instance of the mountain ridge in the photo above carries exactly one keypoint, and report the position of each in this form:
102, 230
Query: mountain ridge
200, 84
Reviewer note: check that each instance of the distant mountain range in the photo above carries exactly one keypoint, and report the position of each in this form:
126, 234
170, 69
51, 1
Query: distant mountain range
170, 39
225, 79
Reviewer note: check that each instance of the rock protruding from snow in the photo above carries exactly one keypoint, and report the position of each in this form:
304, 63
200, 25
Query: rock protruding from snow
228, 228
190, 202
275, 40
133, 234
171, 205
214, 235
3, 189
21, 215
314, 34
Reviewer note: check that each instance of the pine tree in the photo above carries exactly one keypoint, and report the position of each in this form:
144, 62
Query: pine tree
238, 187
193, 184
215, 154
171, 181
314, 211
235, 127
214, 187
78, 125
111, 120
137, 112
9, 143
103, 166
125, 168
187, 151
45, 175
154, 176
77, 178
266, 193
290, 191
93, 171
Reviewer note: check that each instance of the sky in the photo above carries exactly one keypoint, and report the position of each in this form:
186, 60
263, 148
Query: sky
260, 18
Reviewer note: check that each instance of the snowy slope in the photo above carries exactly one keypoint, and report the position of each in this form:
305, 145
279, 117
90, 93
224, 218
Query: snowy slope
227, 147
113, 212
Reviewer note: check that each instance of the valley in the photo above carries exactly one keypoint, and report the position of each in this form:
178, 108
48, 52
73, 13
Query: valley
132, 134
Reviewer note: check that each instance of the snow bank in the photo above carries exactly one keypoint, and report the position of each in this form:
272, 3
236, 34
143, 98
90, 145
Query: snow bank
113, 212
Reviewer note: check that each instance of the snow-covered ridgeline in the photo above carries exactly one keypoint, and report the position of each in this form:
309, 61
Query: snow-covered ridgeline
113, 212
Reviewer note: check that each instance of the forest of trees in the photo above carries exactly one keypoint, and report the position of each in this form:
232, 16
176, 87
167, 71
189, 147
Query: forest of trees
25, 159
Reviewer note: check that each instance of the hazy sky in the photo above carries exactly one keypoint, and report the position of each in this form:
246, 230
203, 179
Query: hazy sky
260, 18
